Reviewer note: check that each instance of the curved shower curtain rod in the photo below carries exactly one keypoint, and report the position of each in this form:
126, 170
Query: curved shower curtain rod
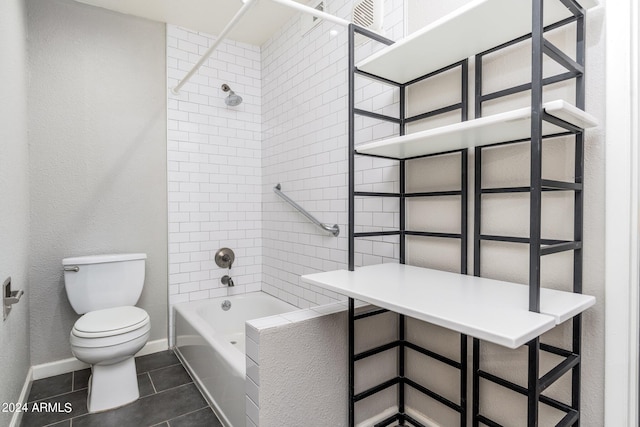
236, 18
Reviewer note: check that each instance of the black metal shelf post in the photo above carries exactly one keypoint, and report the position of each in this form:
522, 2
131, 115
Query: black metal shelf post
401, 345
538, 246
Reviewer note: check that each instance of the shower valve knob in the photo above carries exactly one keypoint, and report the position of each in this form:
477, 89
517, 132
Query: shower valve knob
224, 258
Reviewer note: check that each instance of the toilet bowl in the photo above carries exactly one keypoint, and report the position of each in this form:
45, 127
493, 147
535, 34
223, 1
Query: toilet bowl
108, 339
111, 330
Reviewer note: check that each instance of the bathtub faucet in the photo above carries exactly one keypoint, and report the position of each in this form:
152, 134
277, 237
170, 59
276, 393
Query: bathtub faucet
227, 280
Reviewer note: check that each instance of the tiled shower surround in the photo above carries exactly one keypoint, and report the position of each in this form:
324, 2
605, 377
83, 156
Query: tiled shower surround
291, 129
214, 167
304, 86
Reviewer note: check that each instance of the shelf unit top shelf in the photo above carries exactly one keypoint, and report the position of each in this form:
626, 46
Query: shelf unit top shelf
503, 127
469, 30
487, 309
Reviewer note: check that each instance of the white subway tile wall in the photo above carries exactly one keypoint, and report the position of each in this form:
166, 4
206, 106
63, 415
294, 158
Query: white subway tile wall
214, 167
291, 128
304, 96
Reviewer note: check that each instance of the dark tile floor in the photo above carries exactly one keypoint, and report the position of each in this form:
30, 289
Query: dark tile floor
168, 398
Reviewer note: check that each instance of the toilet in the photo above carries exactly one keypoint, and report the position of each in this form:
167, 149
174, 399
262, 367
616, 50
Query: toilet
105, 289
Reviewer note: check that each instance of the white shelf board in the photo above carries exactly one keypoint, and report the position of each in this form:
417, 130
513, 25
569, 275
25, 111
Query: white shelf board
471, 29
508, 126
487, 309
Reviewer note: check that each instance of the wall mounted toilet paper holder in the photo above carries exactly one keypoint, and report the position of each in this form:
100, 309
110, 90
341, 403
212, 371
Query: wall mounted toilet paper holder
9, 297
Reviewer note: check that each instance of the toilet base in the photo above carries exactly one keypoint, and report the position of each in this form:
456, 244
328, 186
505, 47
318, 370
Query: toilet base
111, 386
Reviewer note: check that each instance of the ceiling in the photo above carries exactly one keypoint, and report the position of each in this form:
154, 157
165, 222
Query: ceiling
262, 20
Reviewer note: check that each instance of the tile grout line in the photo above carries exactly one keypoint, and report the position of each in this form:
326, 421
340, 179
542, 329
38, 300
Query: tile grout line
162, 367
73, 380
148, 373
144, 397
56, 395
162, 391
186, 413
56, 422
152, 384
85, 388
79, 416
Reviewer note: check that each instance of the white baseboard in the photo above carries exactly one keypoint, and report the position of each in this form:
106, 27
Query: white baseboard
46, 370
154, 347
51, 369
24, 395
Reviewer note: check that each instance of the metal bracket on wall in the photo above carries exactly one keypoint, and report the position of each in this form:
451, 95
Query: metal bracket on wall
9, 297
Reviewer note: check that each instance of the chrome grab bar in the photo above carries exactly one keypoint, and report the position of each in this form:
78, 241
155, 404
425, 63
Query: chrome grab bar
333, 229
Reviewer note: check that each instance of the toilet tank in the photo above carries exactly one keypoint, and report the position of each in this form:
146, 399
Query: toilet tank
103, 281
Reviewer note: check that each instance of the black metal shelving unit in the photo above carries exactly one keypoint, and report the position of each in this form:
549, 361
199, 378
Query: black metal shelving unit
538, 246
401, 345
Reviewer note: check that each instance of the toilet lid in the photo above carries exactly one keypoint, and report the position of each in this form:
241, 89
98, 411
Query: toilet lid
110, 321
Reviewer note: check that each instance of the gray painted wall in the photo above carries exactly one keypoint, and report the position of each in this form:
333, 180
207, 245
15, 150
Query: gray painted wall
14, 198
97, 123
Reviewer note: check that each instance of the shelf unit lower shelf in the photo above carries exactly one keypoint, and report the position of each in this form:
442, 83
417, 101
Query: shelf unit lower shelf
490, 310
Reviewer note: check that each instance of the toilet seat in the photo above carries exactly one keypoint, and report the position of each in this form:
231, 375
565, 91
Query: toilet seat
110, 321
111, 326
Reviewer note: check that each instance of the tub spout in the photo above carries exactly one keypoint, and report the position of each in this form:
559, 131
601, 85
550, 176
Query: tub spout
227, 280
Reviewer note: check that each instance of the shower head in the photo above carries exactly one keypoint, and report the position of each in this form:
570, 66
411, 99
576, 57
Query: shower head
232, 100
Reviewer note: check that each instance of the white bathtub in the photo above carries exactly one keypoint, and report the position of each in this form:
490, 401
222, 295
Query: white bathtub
211, 343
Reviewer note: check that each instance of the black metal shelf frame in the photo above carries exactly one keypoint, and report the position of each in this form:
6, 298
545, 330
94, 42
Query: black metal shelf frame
538, 246
401, 345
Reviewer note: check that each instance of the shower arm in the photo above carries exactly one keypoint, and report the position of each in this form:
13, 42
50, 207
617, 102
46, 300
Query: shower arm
236, 18
333, 229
